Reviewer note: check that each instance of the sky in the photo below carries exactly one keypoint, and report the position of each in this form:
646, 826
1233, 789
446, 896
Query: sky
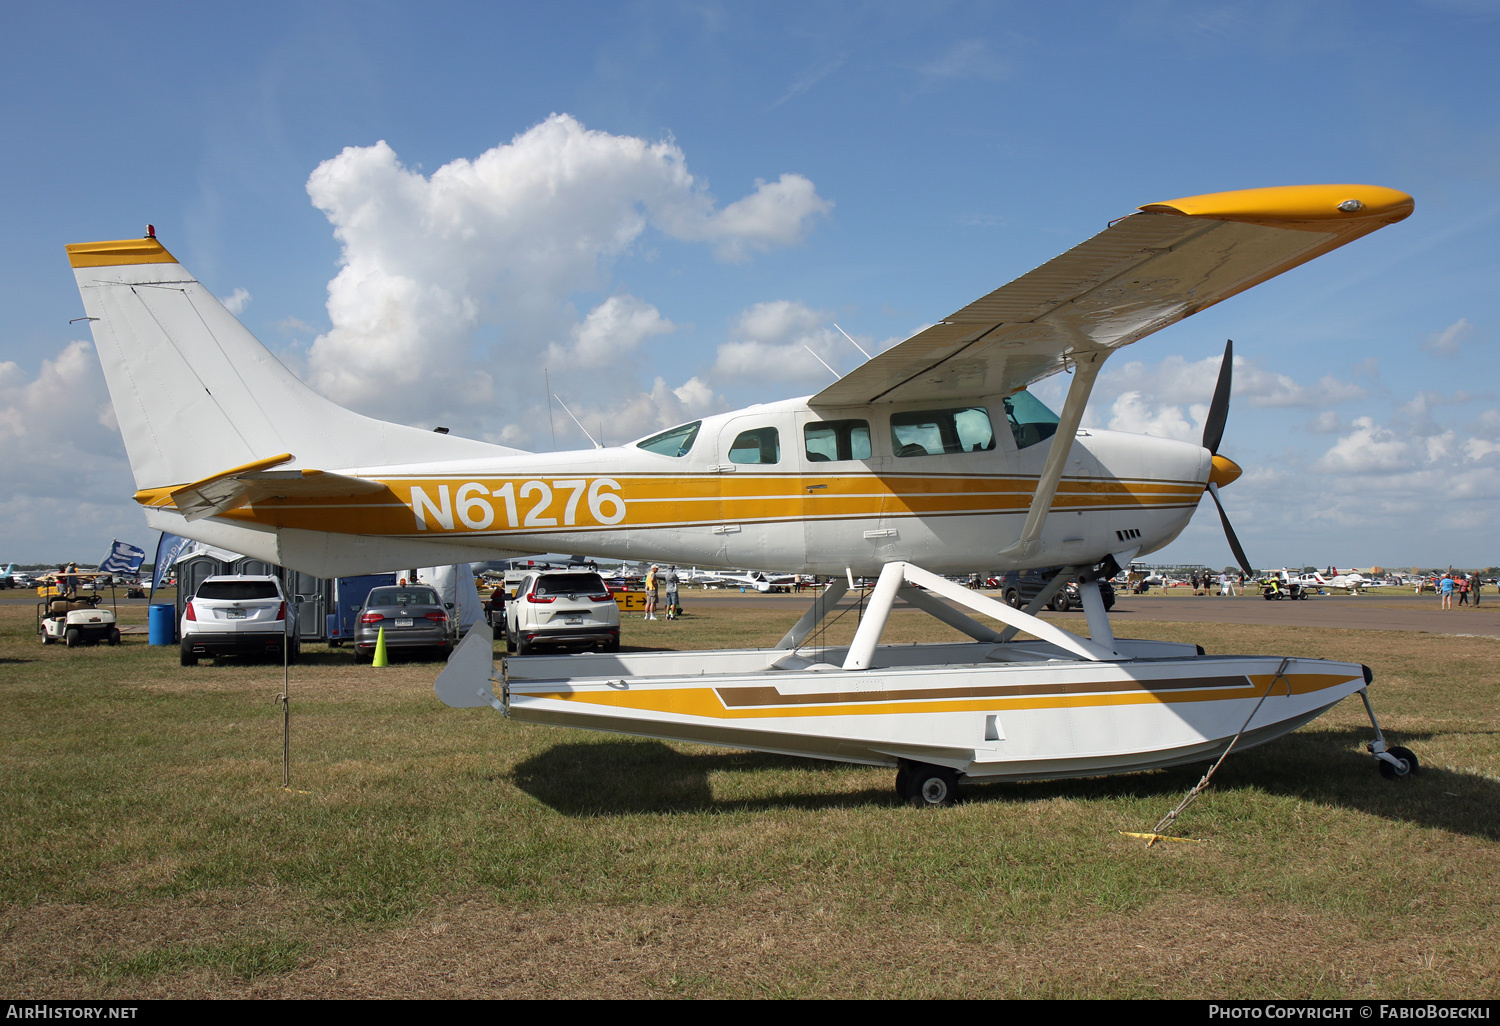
434, 211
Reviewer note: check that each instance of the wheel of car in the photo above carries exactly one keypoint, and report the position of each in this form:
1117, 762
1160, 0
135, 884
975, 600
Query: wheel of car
510, 641
114, 635
189, 658
74, 637
1059, 603
523, 647
47, 639
1013, 598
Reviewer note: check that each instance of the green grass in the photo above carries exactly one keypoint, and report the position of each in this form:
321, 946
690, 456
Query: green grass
150, 849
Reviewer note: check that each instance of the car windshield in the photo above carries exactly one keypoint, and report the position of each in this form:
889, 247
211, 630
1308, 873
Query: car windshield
570, 584
233, 590
402, 597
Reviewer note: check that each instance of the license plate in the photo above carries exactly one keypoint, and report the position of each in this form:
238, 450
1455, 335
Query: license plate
573, 620
235, 614
403, 623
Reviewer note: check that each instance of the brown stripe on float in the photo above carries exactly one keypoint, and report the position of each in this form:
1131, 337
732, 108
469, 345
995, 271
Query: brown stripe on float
750, 697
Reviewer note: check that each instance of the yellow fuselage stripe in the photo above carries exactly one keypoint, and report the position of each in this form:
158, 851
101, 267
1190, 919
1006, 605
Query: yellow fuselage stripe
664, 501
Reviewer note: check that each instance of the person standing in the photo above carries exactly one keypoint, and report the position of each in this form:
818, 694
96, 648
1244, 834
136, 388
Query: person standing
671, 593
653, 586
1474, 587
1445, 589
1463, 591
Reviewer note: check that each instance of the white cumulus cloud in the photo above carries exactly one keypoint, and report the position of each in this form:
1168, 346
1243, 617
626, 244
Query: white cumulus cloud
458, 285
1448, 341
770, 342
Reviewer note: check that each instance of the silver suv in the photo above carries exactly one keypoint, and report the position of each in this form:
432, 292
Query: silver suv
238, 615
562, 607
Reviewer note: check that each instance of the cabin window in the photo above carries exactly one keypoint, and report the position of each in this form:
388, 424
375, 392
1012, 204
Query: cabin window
830, 440
936, 432
1030, 421
676, 442
762, 445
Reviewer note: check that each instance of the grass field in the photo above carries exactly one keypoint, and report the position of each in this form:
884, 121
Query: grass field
150, 850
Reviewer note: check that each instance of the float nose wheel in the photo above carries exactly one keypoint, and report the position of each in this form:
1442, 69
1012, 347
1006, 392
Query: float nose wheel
1396, 763
926, 786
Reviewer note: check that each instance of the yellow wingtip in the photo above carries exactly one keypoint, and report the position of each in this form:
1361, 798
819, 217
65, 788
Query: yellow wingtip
1307, 205
118, 252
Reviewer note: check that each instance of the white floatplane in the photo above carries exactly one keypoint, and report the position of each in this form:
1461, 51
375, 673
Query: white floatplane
928, 459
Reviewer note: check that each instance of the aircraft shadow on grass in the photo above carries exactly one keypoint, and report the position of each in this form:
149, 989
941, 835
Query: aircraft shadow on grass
1326, 767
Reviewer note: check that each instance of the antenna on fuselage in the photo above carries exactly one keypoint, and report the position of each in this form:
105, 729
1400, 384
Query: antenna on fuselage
578, 422
548, 382
853, 343
815, 356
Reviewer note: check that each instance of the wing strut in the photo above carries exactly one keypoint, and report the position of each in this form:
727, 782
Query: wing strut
1085, 372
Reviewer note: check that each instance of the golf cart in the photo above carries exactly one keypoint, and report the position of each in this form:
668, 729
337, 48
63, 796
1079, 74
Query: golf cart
73, 611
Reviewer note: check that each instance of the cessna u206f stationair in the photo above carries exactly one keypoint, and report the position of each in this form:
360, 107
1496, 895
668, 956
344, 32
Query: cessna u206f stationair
930, 458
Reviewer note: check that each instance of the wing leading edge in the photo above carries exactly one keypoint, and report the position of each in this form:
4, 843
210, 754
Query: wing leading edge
1142, 273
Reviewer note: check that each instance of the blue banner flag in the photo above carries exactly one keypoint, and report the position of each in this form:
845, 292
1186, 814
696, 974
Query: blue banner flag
124, 558
168, 548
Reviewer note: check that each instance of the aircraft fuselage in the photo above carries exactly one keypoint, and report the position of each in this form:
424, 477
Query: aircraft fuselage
774, 501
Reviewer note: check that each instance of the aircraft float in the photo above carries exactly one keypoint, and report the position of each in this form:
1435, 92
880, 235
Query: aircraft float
930, 458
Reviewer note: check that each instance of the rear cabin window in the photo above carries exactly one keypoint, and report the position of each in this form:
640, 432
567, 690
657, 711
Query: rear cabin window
238, 590
402, 597
939, 432
676, 442
570, 584
762, 445
1030, 421
833, 440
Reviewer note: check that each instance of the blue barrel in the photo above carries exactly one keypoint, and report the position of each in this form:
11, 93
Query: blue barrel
162, 624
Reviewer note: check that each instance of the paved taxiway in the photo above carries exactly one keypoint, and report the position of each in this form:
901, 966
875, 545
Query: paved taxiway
1406, 612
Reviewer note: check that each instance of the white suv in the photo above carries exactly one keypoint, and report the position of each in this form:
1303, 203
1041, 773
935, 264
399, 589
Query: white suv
562, 607
238, 615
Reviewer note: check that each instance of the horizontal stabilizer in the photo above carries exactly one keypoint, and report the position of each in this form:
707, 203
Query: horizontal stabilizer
255, 482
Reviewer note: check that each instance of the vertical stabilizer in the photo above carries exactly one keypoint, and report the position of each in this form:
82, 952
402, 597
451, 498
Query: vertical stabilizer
195, 392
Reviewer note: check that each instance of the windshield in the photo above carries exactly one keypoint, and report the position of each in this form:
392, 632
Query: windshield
1030, 421
676, 442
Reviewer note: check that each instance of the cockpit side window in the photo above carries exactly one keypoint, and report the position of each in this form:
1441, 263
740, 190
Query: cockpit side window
763, 445
1030, 421
830, 440
939, 432
676, 442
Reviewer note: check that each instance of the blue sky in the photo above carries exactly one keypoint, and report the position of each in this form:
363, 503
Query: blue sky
661, 203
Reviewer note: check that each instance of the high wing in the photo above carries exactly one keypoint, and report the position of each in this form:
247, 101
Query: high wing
1142, 273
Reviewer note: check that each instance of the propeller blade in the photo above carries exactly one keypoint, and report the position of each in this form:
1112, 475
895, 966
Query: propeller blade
1234, 542
1218, 410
